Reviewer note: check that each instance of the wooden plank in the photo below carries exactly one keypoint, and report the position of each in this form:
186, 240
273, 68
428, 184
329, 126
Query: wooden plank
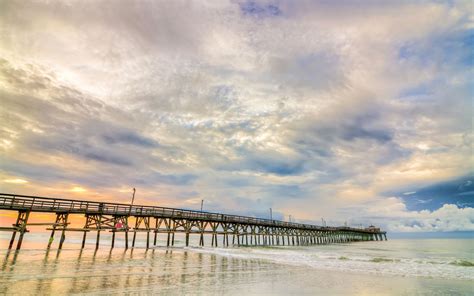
9, 229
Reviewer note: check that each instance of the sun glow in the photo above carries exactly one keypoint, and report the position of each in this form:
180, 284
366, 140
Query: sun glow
15, 181
78, 189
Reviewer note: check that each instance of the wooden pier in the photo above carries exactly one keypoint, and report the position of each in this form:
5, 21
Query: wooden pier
152, 220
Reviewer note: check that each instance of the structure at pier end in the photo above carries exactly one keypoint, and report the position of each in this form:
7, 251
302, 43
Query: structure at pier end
115, 218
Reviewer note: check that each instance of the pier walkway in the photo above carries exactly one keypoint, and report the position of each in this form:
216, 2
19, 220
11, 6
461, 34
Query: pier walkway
115, 217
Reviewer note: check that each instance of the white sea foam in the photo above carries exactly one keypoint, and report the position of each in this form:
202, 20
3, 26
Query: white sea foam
361, 259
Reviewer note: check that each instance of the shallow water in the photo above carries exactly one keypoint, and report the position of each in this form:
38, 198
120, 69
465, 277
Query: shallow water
394, 267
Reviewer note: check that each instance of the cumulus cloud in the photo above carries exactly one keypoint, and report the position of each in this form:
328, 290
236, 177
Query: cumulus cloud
394, 216
447, 218
306, 107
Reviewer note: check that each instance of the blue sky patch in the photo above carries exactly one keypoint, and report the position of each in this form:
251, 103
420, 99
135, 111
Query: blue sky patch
450, 48
459, 191
259, 10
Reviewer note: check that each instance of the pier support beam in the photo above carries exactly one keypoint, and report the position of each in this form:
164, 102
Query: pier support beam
84, 240
214, 226
63, 232
61, 221
168, 230
20, 226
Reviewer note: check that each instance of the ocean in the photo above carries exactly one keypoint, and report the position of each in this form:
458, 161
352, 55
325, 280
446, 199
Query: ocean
393, 267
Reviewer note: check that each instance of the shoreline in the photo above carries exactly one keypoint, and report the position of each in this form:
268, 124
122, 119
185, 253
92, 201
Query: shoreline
182, 271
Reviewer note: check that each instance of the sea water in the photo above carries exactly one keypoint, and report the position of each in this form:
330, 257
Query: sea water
393, 267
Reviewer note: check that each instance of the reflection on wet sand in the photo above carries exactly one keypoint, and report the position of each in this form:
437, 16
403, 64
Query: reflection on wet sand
44, 285
8, 268
175, 271
75, 285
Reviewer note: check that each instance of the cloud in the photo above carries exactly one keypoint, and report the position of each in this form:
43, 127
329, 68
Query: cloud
315, 109
392, 214
449, 217
129, 137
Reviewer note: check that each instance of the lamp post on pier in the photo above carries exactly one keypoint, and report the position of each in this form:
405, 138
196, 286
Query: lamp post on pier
133, 196
133, 199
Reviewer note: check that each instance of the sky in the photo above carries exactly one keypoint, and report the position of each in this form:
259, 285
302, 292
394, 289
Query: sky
358, 112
